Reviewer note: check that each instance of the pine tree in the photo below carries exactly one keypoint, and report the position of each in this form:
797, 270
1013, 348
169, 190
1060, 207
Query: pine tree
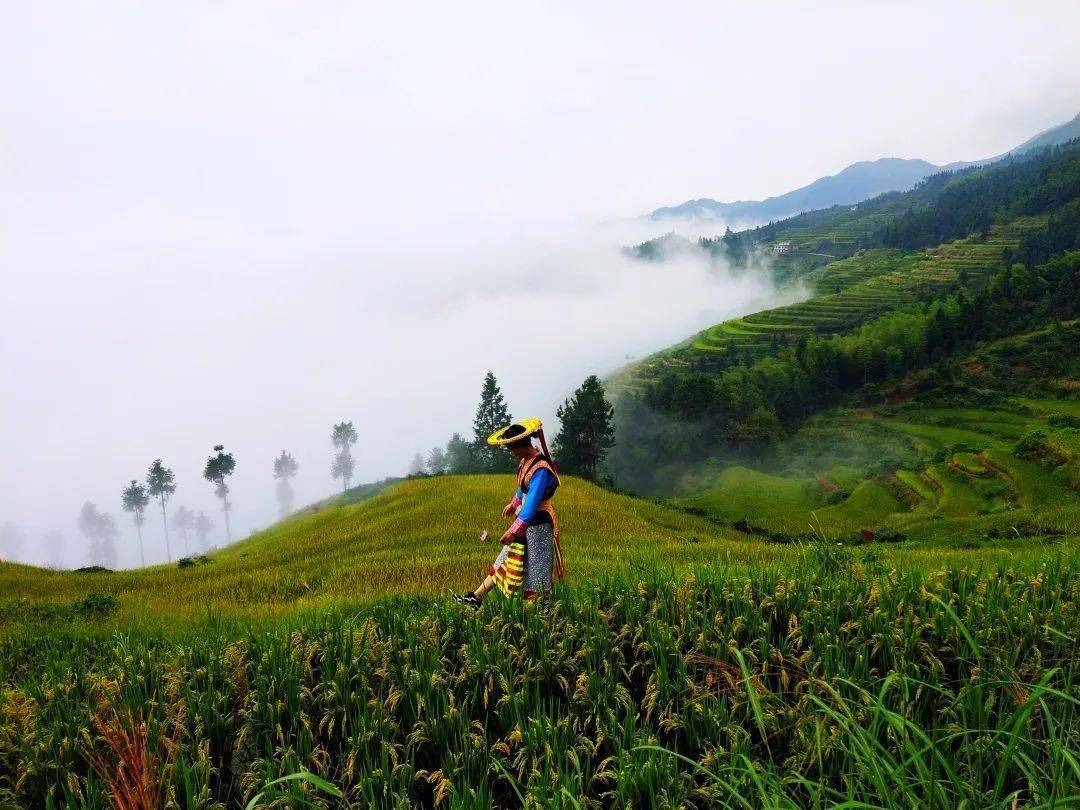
459, 456
587, 431
492, 414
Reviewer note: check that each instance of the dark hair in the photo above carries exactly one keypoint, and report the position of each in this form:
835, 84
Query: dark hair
526, 442
512, 431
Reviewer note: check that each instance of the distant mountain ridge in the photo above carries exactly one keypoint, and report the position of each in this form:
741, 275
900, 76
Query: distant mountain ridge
859, 181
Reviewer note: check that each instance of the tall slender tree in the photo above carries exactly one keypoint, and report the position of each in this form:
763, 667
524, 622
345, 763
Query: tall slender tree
219, 467
343, 468
343, 438
135, 500
587, 431
183, 520
203, 527
88, 524
161, 484
108, 532
491, 414
416, 466
285, 468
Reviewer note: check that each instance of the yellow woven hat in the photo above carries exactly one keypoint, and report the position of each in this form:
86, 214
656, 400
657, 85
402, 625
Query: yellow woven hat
515, 432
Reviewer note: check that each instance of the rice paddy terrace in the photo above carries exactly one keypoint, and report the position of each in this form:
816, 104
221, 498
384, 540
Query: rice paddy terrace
945, 476
846, 293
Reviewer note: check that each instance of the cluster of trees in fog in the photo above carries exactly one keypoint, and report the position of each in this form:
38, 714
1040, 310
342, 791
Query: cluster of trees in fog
586, 434
158, 489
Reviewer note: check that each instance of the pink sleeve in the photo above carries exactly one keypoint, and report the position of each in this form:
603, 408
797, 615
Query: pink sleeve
516, 502
518, 527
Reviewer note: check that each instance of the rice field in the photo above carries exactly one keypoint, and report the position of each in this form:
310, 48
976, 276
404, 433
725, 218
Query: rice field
831, 679
938, 476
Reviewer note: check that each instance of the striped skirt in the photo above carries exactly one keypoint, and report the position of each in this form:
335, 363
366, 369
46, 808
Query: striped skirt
526, 565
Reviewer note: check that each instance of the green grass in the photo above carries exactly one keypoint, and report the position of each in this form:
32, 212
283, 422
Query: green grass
764, 500
921, 488
1038, 489
868, 506
959, 497
1070, 407
970, 463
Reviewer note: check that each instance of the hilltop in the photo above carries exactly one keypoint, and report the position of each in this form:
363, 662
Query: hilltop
857, 182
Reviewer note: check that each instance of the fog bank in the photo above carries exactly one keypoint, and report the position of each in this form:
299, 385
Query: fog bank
164, 349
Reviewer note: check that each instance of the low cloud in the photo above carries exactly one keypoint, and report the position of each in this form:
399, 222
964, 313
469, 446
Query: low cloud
265, 350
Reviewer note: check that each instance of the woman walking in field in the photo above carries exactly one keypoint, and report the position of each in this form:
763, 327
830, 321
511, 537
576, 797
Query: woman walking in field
531, 553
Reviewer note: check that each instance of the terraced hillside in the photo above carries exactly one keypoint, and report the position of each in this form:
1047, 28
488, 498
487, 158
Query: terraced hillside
884, 254
846, 293
957, 480
946, 475
853, 290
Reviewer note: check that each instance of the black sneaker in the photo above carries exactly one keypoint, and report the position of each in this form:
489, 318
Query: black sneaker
468, 600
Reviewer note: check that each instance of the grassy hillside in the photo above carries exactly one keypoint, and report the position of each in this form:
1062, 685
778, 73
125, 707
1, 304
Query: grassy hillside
420, 536
685, 664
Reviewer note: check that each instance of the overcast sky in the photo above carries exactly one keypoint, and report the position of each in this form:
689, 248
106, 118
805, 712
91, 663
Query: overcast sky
239, 223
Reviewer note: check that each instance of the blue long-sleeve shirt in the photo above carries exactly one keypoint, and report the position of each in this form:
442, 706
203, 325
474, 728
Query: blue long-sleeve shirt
538, 486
